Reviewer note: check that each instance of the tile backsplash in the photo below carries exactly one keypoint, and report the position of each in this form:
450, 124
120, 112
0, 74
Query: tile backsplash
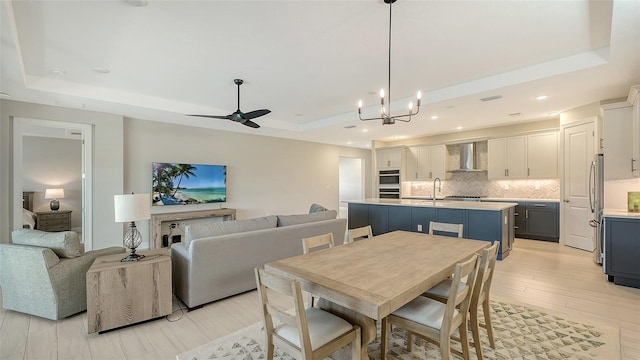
477, 184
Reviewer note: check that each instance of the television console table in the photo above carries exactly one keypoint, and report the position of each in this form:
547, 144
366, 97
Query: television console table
158, 219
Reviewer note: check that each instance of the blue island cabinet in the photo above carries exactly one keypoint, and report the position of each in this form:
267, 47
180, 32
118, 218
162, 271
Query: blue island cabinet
622, 250
483, 225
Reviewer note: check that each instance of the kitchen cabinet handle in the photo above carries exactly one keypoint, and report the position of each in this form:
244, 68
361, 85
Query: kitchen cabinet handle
528, 172
516, 214
516, 227
632, 168
526, 214
539, 205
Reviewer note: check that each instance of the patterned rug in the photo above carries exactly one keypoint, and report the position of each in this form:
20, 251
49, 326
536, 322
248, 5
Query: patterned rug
521, 332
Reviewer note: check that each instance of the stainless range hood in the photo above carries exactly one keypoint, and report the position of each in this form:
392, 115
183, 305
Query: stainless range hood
468, 161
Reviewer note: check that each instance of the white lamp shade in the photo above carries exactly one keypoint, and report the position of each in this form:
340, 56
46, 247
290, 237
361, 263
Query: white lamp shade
54, 194
132, 207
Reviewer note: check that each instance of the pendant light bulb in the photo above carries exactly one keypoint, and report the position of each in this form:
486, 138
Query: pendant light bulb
410, 105
382, 93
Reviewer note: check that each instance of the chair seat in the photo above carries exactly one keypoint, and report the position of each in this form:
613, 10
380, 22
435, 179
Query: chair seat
323, 328
443, 287
424, 311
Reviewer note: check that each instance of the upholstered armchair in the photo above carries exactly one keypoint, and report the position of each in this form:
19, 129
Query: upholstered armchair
44, 274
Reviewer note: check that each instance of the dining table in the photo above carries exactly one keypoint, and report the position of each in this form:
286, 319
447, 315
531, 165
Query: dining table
367, 280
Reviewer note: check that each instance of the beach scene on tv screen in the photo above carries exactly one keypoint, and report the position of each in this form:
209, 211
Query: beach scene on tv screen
185, 184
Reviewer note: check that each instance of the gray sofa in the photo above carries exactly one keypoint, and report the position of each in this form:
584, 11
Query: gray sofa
44, 273
217, 259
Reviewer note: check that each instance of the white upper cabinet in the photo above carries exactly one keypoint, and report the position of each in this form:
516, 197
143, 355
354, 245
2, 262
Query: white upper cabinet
618, 139
524, 157
542, 156
425, 163
507, 158
389, 158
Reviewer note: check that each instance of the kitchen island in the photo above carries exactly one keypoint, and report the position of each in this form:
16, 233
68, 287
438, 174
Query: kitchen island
488, 221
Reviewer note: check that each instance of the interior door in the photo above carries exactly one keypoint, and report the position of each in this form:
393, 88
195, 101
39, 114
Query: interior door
578, 154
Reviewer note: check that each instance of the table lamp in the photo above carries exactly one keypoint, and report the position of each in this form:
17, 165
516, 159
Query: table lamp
54, 194
131, 208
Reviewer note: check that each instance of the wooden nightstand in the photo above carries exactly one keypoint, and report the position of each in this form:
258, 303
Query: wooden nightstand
125, 293
53, 220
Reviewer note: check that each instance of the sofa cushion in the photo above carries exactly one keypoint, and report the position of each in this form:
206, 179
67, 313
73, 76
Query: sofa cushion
66, 244
286, 220
197, 231
316, 208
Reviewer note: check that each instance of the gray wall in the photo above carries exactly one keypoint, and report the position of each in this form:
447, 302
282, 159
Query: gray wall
266, 175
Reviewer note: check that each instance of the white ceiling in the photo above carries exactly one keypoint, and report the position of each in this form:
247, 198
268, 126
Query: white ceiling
310, 62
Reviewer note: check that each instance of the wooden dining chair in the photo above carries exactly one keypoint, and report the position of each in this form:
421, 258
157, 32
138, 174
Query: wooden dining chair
446, 227
357, 233
433, 320
479, 297
310, 333
310, 243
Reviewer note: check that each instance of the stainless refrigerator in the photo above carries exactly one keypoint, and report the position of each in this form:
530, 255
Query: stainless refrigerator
596, 202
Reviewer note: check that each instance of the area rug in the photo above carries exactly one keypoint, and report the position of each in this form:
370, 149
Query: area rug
520, 331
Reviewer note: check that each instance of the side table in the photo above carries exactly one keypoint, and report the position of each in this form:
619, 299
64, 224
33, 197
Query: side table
125, 293
53, 220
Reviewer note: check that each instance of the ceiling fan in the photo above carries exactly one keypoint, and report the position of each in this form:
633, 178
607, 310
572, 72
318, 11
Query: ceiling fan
239, 116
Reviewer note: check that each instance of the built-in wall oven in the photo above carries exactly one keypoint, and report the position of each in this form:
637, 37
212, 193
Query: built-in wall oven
389, 184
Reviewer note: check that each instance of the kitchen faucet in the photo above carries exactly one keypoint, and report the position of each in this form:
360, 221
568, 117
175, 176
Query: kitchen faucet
434, 188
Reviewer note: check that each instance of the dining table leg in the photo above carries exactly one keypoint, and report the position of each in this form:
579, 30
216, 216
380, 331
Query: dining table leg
368, 332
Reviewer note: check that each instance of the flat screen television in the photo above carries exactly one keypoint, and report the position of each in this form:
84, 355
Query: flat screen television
186, 184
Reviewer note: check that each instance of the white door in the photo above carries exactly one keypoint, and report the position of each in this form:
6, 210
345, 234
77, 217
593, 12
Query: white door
578, 154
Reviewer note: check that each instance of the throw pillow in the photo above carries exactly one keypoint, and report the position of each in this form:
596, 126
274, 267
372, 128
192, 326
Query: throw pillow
197, 231
286, 220
66, 244
316, 208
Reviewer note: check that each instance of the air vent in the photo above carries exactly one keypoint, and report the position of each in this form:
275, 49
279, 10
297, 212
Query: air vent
491, 98
350, 126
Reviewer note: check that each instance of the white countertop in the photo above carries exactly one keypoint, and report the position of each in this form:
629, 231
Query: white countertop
521, 199
469, 205
484, 199
620, 213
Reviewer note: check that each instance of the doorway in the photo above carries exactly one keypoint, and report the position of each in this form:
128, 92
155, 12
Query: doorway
26, 132
351, 183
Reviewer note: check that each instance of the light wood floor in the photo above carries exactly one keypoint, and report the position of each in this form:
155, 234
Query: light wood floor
539, 273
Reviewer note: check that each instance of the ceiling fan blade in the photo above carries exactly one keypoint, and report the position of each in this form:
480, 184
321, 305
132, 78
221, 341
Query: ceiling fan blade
251, 124
226, 117
256, 113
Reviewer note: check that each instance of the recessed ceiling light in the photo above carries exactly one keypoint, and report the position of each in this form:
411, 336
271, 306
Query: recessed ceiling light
348, 142
365, 130
433, 117
101, 70
459, 128
57, 72
553, 113
541, 97
368, 145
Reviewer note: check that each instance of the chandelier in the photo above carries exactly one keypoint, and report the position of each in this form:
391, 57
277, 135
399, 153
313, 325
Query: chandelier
385, 113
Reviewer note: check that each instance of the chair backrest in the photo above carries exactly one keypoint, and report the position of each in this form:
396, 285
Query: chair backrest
361, 232
457, 298
446, 227
486, 268
313, 242
266, 280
